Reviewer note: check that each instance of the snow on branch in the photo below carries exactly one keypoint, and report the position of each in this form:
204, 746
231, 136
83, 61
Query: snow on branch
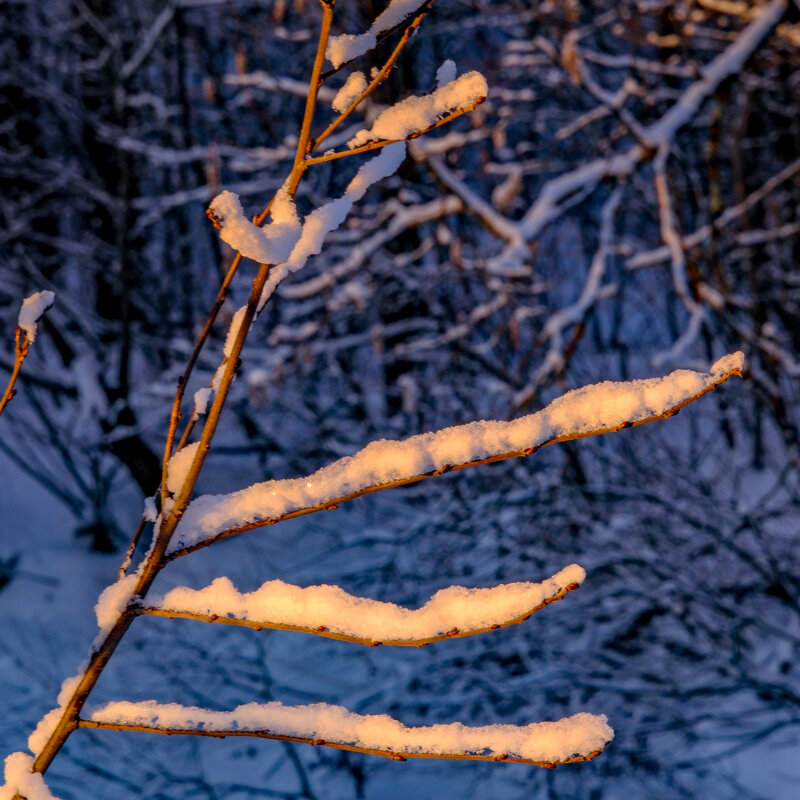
326, 219
420, 112
576, 738
270, 244
346, 47
353, 87
330, 611
591, 410
21, 781
32, 310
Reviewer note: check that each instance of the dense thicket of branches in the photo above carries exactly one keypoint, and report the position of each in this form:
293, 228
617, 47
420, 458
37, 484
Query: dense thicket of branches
564, 233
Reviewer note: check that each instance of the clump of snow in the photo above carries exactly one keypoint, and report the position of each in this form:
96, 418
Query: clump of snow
47, 724
150, 513
353, 86
113, 601
21, 780
333, 610
446, 73
270, 244
578, 736
326, 219
202, 397
230, 340
592, 409
32, 310
419, 112
347, 47
178, 467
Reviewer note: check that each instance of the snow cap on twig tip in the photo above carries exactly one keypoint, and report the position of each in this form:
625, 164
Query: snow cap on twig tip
33, 308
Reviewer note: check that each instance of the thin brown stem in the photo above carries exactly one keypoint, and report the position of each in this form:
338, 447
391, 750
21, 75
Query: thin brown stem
381, 36
385, 753
21, 348
126, 562
300, 164
155, 560
175, 414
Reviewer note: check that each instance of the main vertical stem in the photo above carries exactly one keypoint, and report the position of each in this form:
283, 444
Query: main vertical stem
103, 651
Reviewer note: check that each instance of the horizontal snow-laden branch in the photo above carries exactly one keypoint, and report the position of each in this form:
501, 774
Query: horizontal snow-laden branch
330, 611
576, 738
591, 410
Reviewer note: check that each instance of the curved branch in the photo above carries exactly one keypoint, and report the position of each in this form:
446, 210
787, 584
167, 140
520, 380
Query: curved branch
585, 412
576, 738
330, 612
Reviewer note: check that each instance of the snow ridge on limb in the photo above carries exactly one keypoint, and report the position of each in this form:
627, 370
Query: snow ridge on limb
591, 410
330, 611
576, 738
348, 46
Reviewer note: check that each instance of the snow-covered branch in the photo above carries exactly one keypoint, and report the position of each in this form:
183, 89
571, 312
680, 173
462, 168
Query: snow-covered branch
331, 612
589, 411
576, 738
22, 782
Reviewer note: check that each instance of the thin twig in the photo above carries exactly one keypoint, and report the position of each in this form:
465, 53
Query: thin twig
21, 348
126, 562
385, 753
